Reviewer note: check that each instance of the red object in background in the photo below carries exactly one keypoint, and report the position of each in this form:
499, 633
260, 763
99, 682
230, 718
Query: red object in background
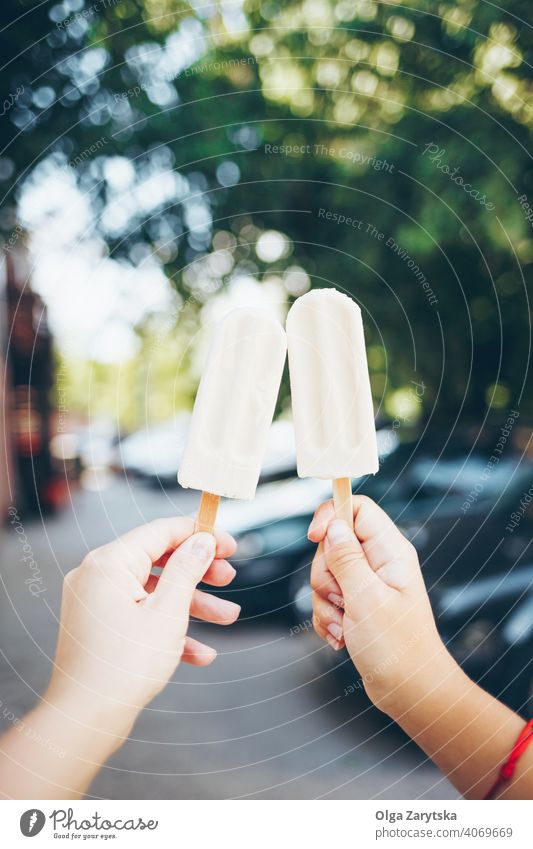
27, 344
55, 493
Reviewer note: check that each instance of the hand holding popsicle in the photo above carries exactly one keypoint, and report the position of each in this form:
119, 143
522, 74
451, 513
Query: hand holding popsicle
123, 631
368, 590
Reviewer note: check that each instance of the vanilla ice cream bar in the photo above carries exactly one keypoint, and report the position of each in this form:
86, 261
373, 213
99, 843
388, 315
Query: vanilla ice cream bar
234, 407
330, 387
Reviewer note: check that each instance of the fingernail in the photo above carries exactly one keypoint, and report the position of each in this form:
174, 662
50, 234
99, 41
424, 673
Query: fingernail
339, 532
335, 630
233, 611
201, 545
335, 599
333, 643
311, 528
227, 610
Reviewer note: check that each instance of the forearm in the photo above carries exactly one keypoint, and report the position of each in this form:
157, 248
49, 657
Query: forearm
463, 729
55, 752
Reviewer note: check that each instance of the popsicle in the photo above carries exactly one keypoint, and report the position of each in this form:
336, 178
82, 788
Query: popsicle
331, 397
233, 410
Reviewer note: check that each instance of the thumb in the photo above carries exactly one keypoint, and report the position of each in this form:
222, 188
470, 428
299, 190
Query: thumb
183, 570
347, 561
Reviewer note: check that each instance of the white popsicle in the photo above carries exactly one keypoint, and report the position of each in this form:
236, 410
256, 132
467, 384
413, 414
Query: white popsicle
233, 410
331, 397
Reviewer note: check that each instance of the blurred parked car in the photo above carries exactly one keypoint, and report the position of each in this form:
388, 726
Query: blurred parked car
80, 450
466, 552
487, 625
154, 453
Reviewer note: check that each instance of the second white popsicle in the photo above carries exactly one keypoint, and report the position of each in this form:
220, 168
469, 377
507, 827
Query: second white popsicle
331, 396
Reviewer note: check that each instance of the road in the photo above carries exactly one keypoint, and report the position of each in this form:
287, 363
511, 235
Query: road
266, 720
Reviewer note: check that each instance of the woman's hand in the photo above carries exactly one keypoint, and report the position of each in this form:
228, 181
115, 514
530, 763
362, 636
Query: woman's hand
123, 630
368, 592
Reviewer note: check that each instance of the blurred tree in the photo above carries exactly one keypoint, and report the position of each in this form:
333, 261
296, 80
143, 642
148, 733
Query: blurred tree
233, 141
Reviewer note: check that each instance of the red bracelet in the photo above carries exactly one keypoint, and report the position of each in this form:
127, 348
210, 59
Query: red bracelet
508, 769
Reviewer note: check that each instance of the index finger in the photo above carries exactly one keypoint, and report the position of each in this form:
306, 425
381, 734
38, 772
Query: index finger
324, 514
141, 547
374, 529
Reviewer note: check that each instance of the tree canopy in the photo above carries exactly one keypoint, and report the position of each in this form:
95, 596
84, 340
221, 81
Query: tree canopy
382, 148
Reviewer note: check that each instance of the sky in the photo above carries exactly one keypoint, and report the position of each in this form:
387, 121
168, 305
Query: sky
94, 302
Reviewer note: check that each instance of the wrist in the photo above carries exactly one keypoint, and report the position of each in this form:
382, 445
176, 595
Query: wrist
63, 744
426, 681
106, 723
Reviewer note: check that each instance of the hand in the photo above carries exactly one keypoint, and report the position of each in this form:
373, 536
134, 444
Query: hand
368, 592
123, 630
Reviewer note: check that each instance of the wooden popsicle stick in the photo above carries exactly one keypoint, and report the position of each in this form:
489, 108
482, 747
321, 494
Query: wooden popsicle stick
342, 500
207, 513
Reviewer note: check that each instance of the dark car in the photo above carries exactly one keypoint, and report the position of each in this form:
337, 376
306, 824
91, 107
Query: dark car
487, 625
457, 511
273, 553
